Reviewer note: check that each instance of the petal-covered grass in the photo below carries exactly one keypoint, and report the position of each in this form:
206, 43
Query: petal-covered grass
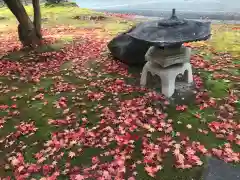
68, 110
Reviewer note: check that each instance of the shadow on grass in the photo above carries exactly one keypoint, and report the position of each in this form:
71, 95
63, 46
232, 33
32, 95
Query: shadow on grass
28, 52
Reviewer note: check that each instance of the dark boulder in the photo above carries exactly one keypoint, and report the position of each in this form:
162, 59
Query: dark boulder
219, 170
127, 49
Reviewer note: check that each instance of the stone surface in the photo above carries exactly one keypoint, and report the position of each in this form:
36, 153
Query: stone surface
168, 75
88, 17
185, 93
168, 56
219, 170
128, 50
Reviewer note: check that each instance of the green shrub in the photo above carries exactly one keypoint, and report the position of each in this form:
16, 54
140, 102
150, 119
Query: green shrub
54, 4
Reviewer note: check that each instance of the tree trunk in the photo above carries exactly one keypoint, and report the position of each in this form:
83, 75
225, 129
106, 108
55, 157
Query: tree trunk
26, 29
37, 17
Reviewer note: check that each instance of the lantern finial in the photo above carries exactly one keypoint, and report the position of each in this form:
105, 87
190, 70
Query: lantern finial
173, 12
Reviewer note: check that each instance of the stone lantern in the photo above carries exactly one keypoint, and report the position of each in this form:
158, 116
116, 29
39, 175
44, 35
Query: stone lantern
167, 57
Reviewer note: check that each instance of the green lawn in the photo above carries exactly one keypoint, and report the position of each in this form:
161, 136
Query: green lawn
69, 111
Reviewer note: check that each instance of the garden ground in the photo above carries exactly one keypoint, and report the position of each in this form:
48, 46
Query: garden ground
68, 110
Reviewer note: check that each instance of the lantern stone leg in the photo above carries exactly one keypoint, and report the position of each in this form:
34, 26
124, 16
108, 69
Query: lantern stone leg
143, 80
168, 75
168, 85
188, 77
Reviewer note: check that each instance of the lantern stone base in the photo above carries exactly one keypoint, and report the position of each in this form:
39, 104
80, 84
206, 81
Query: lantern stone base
168, 75
168, 56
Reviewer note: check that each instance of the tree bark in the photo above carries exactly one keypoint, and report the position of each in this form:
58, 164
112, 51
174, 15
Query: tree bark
37, 17
26, 29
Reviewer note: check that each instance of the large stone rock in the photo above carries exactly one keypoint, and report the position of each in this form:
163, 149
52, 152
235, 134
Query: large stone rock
128, 50
219, 170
